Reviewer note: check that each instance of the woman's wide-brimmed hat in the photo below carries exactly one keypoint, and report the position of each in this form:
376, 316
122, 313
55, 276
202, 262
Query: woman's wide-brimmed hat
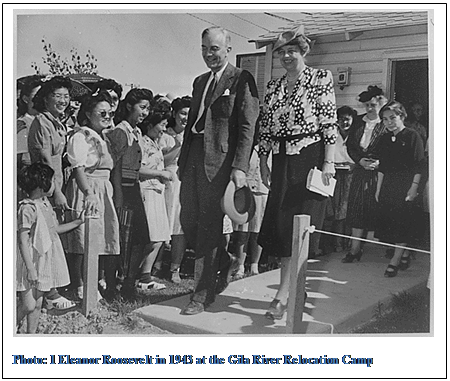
288, 36
238, 204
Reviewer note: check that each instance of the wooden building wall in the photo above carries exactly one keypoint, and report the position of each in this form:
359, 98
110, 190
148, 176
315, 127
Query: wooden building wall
369, 56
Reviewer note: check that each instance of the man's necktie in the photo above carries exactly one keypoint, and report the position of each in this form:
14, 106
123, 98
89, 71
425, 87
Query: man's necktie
200, 126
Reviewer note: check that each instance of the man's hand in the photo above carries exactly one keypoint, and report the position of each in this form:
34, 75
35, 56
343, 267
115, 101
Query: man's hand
239, 178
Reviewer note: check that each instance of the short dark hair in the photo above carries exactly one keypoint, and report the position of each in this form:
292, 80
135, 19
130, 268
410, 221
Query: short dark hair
25, 90
88, 104
36, 175
108, 84
345, 110
153, 119
133, 96
396, 107
180, 103
49, 87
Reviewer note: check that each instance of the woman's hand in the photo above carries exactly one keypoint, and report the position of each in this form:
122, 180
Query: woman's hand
91, 203
265, 174
60, 200
81, 218
328, 172
32, 276
166, 176
369, 164
377, 195
412, 192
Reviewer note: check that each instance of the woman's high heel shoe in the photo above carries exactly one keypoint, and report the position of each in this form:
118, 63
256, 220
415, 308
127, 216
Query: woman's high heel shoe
349, 258
276, 310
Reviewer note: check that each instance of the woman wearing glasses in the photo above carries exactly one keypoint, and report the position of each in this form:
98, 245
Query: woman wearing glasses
89, 188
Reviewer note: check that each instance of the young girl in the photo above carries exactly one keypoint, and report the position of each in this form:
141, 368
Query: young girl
152, 179
41, 264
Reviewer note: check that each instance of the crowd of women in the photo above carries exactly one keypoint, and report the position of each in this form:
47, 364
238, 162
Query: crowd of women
115, 161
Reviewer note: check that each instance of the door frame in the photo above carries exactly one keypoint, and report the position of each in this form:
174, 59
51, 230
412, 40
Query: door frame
392, 55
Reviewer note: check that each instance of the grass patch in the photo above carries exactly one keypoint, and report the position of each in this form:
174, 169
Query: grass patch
406, 313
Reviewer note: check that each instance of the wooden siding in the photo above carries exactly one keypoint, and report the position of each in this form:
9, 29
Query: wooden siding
368, 55
255, 64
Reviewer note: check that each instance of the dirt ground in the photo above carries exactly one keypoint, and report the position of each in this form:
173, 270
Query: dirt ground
103, 321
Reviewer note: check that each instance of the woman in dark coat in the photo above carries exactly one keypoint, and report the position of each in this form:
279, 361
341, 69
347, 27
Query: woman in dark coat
401, 160
362, 145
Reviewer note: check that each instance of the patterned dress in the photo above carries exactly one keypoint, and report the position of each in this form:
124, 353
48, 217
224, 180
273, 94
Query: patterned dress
87, 149
295, 128
152, 192
172, 191
45, 247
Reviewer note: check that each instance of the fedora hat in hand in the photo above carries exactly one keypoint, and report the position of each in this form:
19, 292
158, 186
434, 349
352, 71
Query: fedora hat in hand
238, 204
286, 37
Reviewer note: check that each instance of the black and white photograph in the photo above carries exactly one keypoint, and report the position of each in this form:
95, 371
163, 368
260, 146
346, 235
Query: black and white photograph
199, 185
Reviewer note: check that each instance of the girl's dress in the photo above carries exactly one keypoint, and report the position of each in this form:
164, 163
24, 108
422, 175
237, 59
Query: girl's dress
401, 157
152, 191
172, 191
86, 148
45, 246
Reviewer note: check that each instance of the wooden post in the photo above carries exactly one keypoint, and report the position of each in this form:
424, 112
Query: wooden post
300, 247
90, 268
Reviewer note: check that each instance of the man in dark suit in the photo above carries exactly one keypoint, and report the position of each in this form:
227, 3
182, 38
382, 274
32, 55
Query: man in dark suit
216, 148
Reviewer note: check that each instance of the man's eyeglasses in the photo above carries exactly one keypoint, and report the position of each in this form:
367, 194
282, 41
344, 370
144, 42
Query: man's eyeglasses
105, 114
59, 97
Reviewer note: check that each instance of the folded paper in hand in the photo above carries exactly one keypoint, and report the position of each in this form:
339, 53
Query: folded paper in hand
315, 184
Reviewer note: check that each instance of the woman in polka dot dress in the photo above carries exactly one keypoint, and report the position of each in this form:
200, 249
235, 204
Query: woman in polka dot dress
299, 127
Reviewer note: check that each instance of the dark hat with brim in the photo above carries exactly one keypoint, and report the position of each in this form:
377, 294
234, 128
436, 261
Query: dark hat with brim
238, 204
286, 37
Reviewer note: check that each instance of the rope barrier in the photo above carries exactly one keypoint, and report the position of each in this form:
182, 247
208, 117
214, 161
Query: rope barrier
313, 229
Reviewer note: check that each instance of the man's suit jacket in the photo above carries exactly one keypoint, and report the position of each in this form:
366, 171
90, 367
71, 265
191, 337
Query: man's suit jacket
230, 122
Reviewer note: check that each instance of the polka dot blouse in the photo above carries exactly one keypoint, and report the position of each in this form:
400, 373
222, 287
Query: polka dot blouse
310, 109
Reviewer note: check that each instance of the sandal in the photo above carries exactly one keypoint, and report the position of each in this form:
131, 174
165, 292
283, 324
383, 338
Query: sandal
151, 286
276, 310
405, 262
391, 271
59, 304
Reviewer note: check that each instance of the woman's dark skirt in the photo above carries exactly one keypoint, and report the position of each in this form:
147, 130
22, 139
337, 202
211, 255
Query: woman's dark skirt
362, 206
398, 220
132, 200
289, 197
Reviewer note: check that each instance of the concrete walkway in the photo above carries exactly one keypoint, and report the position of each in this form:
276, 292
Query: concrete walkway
340, 297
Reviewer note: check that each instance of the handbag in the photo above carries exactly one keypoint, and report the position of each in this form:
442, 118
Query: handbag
315, 184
